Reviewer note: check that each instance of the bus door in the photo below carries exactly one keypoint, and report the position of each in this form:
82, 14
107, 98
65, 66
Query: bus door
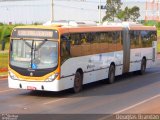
126, 50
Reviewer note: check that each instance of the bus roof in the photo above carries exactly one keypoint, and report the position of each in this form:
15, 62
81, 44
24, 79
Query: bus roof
89, 29
142, 28
36, 27
69, 29
73, 29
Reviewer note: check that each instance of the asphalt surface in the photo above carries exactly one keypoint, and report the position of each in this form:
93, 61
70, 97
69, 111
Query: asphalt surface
129, 94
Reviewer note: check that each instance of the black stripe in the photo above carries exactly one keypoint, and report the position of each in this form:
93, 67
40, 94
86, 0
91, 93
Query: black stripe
89, 71
150, 59
68, 76
119, 65
134, 61
139, 61
96, 70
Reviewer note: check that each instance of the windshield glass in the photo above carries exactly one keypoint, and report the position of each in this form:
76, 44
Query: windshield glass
34, 54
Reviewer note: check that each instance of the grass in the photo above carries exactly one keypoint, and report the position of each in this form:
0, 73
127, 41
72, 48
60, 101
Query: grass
6, 46
3, 60
158, 42
158, 33
3, 63
158, 47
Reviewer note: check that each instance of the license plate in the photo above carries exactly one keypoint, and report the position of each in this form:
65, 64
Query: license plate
31, 88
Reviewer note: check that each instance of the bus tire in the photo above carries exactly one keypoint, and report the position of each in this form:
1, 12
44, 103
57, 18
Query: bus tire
143, 67
77, 82
111, 74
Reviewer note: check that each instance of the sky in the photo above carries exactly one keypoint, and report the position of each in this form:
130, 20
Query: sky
31, 11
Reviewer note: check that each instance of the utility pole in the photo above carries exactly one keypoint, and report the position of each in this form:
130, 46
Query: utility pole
100, 12
52, 12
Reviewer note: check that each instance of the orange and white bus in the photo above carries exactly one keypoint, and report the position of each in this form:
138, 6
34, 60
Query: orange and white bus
59, 57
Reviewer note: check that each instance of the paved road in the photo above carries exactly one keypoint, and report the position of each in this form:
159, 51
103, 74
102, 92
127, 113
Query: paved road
130, 94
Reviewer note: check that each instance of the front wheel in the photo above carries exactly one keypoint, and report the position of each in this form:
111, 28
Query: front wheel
111, 74
77, 82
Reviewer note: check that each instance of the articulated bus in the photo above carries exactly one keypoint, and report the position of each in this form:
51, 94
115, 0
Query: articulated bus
58, 57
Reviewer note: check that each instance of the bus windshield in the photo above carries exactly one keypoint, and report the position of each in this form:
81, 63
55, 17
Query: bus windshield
34, 54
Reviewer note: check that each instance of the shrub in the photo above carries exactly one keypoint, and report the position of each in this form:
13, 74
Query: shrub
1, 24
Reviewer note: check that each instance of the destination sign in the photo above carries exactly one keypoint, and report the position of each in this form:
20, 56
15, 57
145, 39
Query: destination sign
35, 33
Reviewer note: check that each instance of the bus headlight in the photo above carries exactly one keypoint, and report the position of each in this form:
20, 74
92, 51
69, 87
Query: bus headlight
12, 75
52, 78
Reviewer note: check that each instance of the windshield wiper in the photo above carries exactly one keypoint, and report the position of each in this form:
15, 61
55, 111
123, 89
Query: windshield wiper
27, 44
32, 53
40, 45
34, 48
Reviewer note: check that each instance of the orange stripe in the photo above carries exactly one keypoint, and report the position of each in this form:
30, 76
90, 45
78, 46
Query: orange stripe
4, 78
142, 28
89, 29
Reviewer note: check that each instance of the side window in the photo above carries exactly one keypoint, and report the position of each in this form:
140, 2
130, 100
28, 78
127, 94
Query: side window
102, 37
91, 37
94, 45
153, 35
135, 41
132, 39
119, 41
75, 39
103, 46
85, 44
115, 36
146, 38
112, 41
109, 37
75, 44
84, 38
65, 47
95, 37
81, 44
81, 38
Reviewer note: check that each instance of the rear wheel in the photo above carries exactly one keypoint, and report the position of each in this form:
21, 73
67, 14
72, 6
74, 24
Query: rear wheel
77, 82
111, 74
143, 67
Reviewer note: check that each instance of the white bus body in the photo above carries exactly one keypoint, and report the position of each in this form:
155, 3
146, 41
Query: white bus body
93, 65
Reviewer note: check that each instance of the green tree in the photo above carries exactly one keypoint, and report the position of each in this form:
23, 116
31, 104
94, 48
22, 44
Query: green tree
134, 13
124, 15
5, 33
113, 8
129, 14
